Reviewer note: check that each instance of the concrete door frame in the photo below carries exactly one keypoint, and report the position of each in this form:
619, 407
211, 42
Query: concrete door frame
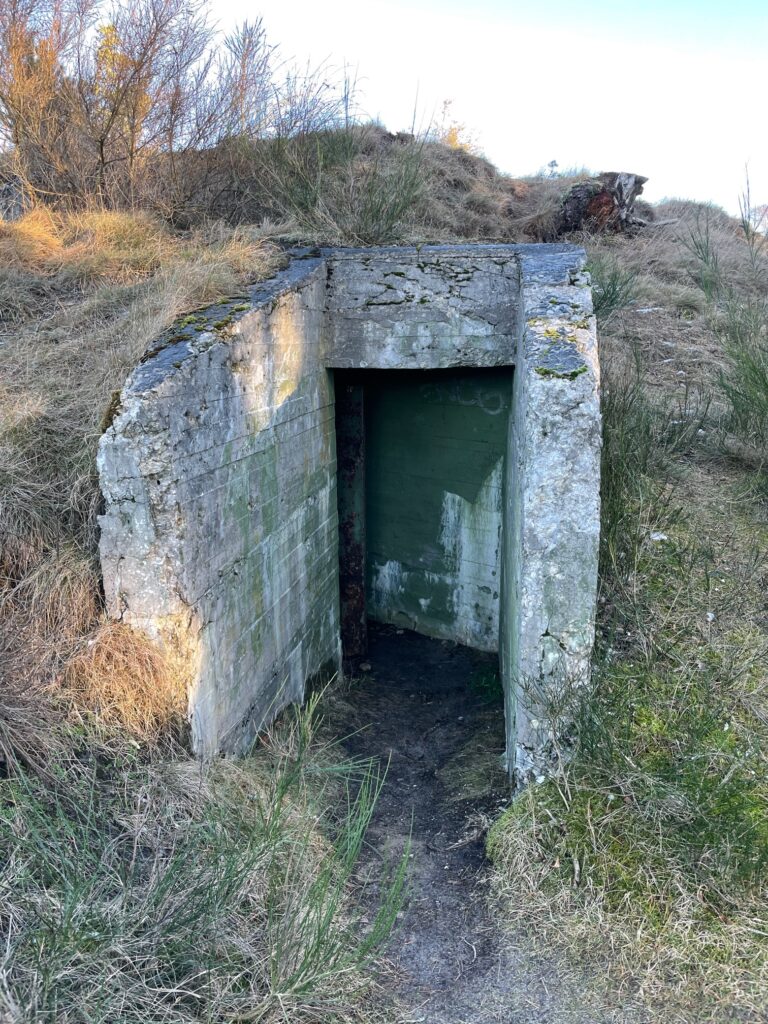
219, 534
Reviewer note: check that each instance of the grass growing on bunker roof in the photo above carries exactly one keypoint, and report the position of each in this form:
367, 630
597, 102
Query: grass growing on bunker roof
647, 853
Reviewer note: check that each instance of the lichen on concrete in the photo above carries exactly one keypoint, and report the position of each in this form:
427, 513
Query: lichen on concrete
218, 470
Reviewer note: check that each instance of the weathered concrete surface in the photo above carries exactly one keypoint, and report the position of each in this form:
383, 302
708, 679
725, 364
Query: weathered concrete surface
218, 474
436, 447
220, 531
552, 532
426, 308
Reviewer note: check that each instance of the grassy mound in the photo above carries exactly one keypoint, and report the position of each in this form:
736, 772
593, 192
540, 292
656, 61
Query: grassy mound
647, 854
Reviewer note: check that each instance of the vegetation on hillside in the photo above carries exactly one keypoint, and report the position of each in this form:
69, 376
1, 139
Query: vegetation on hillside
166, 169
648, 852
146, 889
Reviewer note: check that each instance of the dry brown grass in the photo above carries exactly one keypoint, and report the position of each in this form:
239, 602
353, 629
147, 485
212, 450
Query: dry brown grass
115, 674
27, 736
666, 269
111, 282
467, 198
88, 246
362, 185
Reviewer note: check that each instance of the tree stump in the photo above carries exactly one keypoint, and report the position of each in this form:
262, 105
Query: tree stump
603, 204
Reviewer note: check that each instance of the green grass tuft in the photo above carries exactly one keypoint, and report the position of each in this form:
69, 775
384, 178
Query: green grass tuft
164, 891
614, 286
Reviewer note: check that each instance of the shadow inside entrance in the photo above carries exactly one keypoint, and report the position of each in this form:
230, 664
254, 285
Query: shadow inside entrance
433, 711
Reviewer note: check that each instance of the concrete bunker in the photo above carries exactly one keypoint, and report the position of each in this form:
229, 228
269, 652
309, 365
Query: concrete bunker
427, 419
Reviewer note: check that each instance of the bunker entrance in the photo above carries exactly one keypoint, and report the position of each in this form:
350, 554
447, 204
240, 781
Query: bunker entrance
347, 376
421, 489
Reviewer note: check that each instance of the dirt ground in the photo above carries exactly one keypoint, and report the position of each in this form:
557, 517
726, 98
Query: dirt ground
432, 711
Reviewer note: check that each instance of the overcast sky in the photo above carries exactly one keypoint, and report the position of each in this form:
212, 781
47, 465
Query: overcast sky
674, 90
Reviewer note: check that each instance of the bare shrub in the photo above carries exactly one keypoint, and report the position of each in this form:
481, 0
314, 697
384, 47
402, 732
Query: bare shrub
128, 104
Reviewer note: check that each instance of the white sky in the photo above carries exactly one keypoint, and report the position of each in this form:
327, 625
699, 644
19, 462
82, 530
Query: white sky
673, 90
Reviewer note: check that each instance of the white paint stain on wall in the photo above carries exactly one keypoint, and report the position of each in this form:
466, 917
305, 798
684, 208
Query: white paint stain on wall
470, 533
387, 583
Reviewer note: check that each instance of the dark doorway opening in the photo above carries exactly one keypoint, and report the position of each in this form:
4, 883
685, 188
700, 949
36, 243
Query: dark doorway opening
421, 489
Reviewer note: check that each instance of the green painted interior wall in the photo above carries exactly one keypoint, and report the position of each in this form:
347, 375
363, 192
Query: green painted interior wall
434, 479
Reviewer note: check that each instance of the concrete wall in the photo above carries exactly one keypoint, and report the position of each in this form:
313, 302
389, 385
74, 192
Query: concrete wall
552, 525
436, 445
426, 308
220, 530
